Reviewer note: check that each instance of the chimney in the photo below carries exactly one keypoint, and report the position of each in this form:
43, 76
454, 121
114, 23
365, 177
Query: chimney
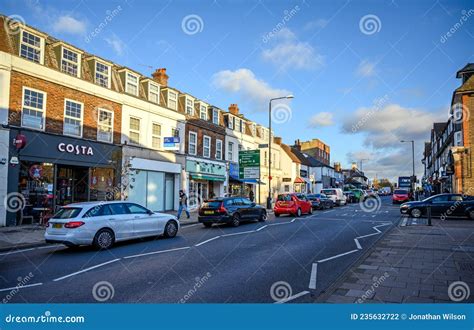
337, 167
160, 76
234, 109
298, 144
277, 140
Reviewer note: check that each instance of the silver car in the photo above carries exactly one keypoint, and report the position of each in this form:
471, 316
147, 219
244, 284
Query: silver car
103, 223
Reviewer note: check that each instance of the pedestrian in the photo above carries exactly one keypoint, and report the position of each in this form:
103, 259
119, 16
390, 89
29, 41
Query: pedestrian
251, 195
183, 204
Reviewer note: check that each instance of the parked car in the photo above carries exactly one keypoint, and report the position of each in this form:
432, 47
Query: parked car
230, 210
400, 196
447, 205
370, 193
320, 201
336, 195
359, 194
101, 224
292, 203
350, 197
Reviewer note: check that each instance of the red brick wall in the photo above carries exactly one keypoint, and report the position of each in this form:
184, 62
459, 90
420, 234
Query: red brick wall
56, 94
197, 126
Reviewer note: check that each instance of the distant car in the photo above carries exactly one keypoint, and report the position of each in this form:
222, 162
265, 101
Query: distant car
293, 204
230, 210
350, 197
358, 193
103, 223
400, 196
447, 205
336, 194
370, 193
320, 201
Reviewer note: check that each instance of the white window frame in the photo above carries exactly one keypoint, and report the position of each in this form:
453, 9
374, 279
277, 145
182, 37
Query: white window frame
189, 107
43, 110
215, 116
202, 110
195, 143
230, 122
129, 82
130, 130
230, 150
150, 92
175, 100
68, 61
157, 136
109, 78
204, 139
218, 149
81, 120
99, 110
40, 48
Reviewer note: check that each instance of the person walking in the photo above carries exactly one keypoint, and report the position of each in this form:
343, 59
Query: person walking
183, 204
251, 195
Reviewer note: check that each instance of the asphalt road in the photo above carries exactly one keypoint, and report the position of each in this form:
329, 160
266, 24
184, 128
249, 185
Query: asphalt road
285, 259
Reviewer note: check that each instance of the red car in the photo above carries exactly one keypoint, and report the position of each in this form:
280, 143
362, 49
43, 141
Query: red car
400, 196
294, 204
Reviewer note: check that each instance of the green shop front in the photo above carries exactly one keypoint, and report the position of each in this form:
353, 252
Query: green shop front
205, 179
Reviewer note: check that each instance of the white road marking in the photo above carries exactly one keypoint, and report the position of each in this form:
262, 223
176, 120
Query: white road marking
294, 219
85, 270
239, 233
19, 287
314, 276
279, 223
357, 243
263, 227
30, 249
189, 226
207, 241
156, 252
329, 211
302, 293
337, 256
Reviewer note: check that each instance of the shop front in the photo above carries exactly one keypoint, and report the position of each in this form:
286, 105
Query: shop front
47, 171
205, 180
241, 187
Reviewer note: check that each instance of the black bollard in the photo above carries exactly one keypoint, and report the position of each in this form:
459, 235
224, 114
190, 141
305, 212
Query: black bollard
428, 213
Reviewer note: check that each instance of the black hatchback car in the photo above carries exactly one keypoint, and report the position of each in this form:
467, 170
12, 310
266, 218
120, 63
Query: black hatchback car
442, 205
320, 201
230, 210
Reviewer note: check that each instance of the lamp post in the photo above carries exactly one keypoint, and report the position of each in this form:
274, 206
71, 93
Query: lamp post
413, 159
269, 198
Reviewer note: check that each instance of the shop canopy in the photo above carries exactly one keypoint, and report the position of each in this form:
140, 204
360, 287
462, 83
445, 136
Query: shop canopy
299, 180
207, 177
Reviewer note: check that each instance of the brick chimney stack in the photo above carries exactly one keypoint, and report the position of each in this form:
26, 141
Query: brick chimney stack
160, 76
298, 144
277, 140
234, 109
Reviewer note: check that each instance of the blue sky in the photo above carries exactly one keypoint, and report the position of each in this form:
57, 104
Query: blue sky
365, 74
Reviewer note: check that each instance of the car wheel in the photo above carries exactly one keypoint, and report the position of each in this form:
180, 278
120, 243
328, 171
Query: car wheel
235, 220
104, 239
171, 229
298, 212
310, 211
207, 225
263, 216
415, 213
471, 214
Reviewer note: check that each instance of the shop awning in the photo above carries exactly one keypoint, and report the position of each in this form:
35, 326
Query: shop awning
299, 180
250, 181
207, 177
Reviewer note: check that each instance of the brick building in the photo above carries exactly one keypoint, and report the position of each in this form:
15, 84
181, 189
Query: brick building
317, 149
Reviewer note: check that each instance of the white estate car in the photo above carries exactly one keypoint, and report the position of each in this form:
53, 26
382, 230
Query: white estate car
336, 195
103, 223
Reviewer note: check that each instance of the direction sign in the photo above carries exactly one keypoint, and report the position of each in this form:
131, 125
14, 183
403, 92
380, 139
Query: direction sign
249, 164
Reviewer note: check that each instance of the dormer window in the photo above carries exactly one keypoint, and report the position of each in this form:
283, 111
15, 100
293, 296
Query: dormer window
153, 93
254, 130
131, 83
238, 125
31, 47
189, 107
172, 100
102, 74
203, 112
70, 62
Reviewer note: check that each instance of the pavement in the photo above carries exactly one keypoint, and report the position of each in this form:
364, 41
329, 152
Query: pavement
413, 263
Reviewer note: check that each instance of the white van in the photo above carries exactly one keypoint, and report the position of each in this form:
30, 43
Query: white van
336, 195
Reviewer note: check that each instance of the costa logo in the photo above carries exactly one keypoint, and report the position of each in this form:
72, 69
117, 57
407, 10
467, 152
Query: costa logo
19, 141
75, 149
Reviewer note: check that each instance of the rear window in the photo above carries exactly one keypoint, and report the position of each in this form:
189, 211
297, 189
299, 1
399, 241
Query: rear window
284, 198
67, 213
328, 192
400, 192
212, 204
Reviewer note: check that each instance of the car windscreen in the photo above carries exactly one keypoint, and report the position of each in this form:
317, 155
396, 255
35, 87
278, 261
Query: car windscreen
67, 213
400, 192
212, 204
328, 192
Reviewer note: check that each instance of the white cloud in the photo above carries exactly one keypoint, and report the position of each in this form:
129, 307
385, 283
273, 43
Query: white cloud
116, 43
247, 86
321, 119
288, 52
69, 24
319, 23
366, 69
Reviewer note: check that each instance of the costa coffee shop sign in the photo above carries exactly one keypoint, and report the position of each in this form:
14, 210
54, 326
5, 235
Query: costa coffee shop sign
75, 149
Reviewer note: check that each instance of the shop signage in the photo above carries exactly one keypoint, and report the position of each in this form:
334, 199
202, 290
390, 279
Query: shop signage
203, 167
36, 172
286, 179
171, 143
75, 149
249, 164
14, 161
19, 141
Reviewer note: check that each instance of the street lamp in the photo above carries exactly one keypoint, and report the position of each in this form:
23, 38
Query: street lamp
413, 158
269, 198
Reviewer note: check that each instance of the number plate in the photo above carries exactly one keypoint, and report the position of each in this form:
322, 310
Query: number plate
57, 225
208, 212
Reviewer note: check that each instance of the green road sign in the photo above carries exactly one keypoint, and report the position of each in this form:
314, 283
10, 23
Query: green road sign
249, 164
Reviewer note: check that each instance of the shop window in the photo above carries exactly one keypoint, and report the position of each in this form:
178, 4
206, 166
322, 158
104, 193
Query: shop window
73, 118
102, 184
134, 133
105, 128
34, 106
206, 149
30, 47
156, 136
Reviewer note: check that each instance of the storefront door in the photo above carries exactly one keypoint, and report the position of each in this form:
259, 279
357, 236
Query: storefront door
198, 192
72, 184
169, 192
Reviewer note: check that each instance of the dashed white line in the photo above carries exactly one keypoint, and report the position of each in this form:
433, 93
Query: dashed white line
302, 293
294, 219
19, 287
357, 243
337, 256
85, 270
239, 233
263, 227
156, 252
314, 276
207, 241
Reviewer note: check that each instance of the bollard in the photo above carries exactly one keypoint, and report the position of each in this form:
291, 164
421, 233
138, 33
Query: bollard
428, 214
